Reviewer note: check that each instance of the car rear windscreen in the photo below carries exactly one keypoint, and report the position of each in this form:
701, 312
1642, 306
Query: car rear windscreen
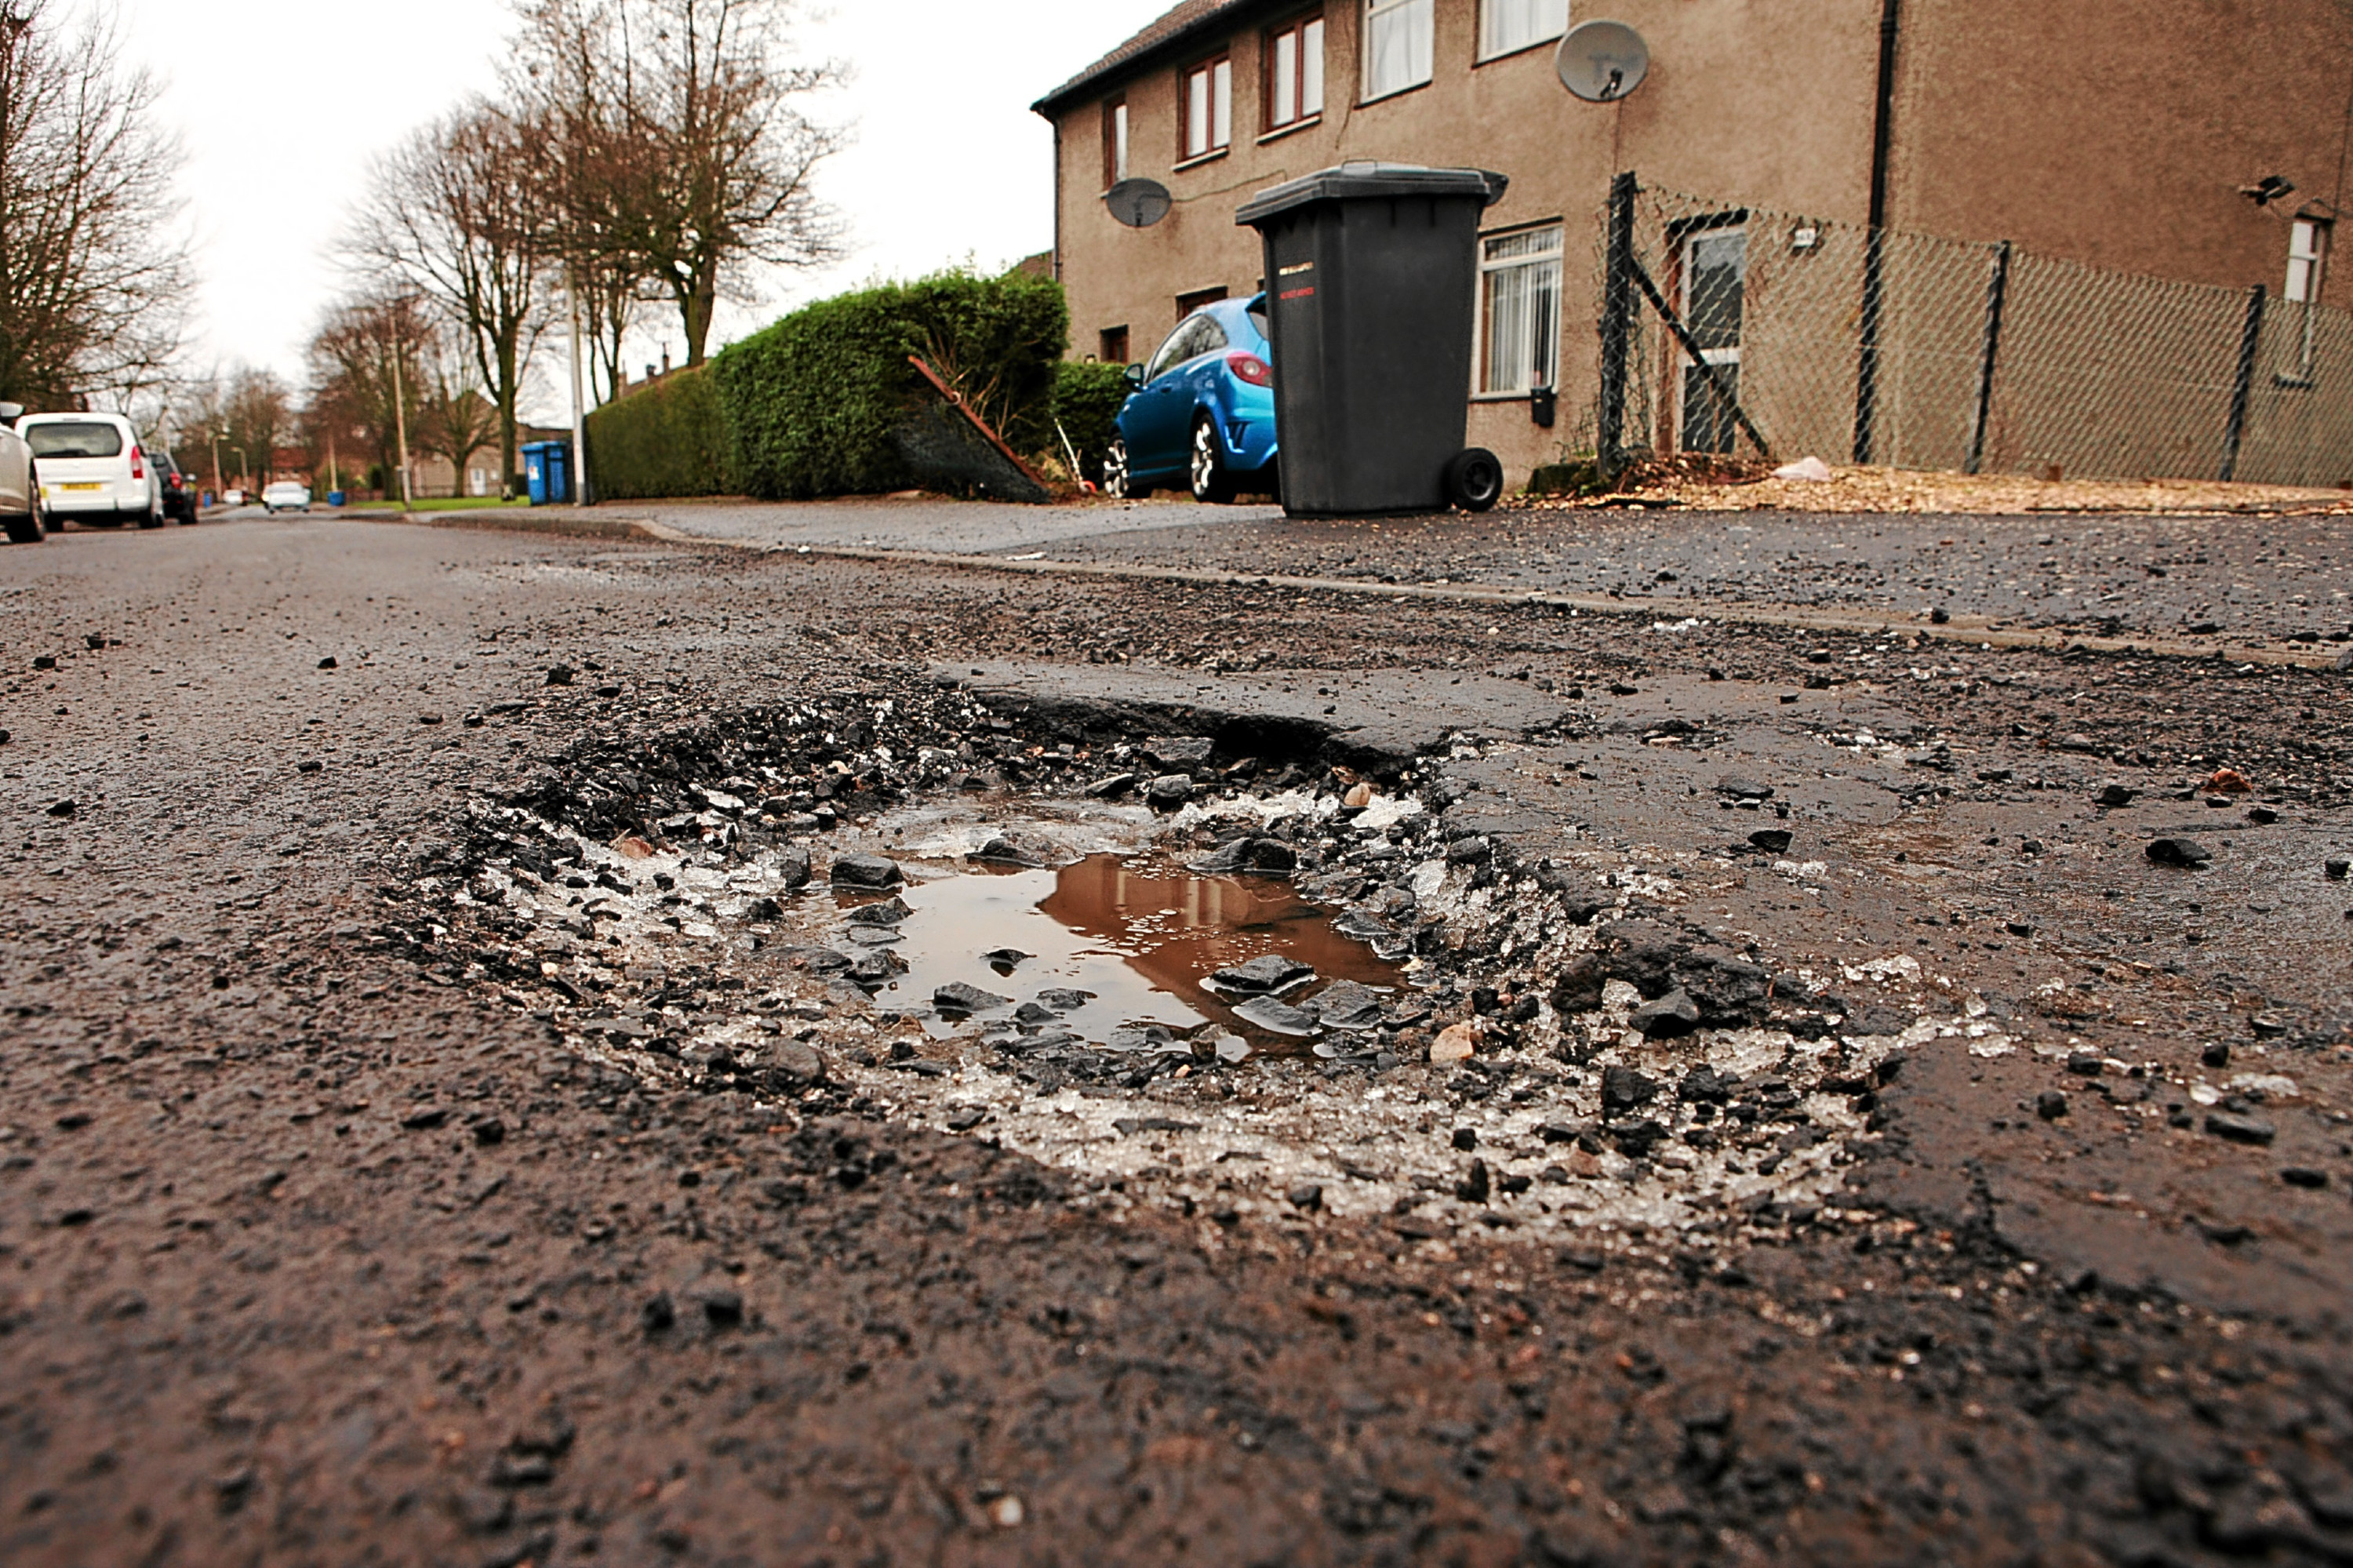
75, 441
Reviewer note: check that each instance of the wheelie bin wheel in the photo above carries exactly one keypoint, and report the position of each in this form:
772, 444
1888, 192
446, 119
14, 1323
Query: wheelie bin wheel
1475, 480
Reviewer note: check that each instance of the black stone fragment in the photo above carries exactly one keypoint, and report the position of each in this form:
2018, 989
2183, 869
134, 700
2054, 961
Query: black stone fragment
2237, 1128
867, 870
1624, 1089
1672, 1016
2185, 853
1249, 857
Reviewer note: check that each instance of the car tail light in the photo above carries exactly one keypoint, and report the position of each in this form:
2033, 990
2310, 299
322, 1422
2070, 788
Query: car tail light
137, 463
1251, 368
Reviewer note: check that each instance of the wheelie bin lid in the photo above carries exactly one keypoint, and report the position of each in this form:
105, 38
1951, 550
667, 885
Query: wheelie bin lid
1370, 182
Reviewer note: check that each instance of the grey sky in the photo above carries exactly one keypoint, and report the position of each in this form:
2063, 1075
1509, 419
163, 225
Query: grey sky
281, 103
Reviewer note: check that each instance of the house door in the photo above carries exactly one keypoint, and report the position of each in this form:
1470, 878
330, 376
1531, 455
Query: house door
1715, 287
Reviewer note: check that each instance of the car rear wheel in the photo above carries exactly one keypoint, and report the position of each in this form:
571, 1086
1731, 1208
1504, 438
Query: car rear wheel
26, 529
1213, 485
1119, 480
155, 518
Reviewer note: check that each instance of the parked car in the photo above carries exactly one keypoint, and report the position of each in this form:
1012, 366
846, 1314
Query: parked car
92, 470
232, 498
20, 495
1201, 414
285, 496
179, 492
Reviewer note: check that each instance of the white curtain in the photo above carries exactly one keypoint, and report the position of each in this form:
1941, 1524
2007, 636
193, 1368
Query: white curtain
1508, 25
1522, 311
1399, 50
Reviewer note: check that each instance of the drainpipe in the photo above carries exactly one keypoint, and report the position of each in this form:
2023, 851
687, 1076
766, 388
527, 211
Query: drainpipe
1874, 259
1057, 201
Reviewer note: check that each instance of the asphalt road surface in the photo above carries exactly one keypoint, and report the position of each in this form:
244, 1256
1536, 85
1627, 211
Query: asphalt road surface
2236, 579
429, 1132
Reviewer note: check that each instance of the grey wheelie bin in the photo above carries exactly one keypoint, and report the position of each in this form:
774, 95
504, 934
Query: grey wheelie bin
1372, 275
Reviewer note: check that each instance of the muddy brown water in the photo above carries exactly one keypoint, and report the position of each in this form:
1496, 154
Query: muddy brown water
1139, 935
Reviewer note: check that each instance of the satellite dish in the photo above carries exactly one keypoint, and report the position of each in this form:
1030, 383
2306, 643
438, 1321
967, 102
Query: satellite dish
1139, 203
1602, 62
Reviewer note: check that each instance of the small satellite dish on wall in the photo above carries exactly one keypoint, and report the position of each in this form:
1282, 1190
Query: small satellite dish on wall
1139, 203
1602, 62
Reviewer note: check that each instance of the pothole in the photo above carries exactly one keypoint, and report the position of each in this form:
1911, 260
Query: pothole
1415, 1021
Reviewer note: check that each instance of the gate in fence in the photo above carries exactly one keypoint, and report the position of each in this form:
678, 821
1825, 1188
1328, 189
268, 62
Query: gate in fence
1728, 328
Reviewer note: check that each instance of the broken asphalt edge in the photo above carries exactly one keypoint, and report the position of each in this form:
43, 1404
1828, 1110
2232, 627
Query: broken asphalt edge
1784, 616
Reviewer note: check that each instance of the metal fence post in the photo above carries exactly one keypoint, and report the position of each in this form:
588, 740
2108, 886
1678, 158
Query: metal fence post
2250, 339
1997, 300
1866, 371
1616, 328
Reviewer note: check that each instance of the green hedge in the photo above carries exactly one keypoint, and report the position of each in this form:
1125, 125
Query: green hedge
671, 438
1087, 398
811, 401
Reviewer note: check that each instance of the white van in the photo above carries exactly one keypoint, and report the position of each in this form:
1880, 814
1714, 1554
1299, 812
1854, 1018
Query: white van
93, 471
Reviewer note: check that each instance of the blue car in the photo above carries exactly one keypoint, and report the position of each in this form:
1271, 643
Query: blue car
1201, 415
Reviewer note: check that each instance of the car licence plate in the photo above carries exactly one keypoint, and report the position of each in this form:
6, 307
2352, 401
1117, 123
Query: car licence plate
90, 486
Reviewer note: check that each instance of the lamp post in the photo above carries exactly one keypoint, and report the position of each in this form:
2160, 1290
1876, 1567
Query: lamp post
400, 422
217, 485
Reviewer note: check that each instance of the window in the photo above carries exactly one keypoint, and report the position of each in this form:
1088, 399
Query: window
1114, 136
1208, 108
1507, 26
87, 439
1112, 344
1716, 299
2307, 250
1519, 296
1193, 337
1187, 303
1294, 73
1398, 47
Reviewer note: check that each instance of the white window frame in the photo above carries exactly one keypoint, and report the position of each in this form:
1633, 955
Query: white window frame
1421, 57
1207, 95
2307, 254
1723, 356
1116, 129
1300, 100
1532, 18
1536, 359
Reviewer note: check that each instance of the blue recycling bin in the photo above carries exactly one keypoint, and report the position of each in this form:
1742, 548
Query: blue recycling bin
547, 471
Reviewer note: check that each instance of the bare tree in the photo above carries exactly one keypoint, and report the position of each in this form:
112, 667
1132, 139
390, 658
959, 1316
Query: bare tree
692, 156
453, 419
92, 288
352, 383
570, 90
244, 417
457, 217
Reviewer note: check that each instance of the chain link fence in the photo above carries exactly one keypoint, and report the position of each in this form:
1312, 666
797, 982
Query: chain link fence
1731, 329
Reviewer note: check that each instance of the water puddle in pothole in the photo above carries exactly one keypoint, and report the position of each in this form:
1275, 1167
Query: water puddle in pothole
1124, 953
